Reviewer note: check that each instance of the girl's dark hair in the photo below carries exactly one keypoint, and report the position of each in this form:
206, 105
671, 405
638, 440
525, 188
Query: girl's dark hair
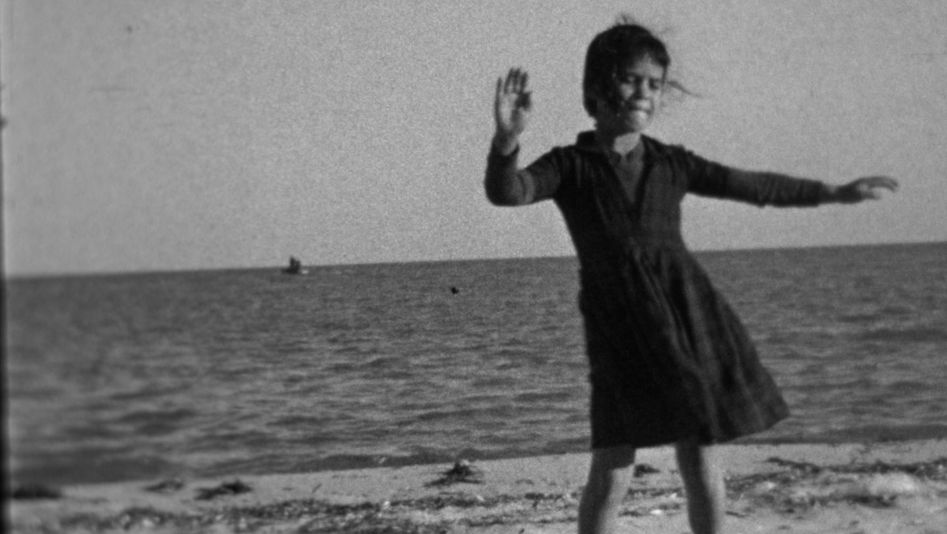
609, 51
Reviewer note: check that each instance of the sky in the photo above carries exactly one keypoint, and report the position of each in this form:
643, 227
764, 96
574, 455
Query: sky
150, 135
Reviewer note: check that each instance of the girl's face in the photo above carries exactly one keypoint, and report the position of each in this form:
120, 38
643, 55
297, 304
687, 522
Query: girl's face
639, 87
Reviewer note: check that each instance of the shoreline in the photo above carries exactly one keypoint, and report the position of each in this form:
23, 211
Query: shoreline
395, 462
876, 487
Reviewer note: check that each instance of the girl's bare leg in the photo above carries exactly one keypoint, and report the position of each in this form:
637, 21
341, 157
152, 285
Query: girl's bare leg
609, 478
703, 483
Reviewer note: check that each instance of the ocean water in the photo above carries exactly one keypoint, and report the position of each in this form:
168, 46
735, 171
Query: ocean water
221, 373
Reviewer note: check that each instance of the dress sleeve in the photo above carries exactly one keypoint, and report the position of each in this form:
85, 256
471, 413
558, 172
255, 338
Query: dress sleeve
507, 186
708, 178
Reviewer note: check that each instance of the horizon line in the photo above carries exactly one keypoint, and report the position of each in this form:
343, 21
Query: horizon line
184, 270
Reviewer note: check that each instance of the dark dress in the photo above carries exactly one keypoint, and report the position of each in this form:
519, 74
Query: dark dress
669, 358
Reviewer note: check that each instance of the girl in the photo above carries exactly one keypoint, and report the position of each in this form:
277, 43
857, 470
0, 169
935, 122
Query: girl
670, 361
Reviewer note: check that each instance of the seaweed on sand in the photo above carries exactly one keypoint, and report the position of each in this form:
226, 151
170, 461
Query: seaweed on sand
169, 485
642, 469
226, 488
36, 491
462, 472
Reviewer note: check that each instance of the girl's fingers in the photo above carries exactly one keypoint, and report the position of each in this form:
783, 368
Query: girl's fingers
889, 183
866, 188
515, 82
510, 81
885, 182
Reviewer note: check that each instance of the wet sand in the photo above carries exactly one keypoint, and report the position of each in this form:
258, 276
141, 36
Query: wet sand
894, 487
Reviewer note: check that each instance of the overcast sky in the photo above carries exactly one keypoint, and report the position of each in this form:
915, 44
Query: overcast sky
184, 134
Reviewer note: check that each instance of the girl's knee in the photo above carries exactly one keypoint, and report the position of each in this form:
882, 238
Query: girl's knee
613, 459
694, 457
612, 469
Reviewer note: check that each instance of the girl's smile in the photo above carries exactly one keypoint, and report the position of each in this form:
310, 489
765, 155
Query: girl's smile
638, 91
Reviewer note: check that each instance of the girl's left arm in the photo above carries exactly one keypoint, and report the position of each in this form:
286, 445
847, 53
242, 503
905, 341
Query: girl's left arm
774, 189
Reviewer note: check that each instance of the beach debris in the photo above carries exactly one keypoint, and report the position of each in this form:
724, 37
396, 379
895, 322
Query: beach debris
461, 472
931, 469
141, 517
36, 491
414, 516
762, 488
168, 485
805, 467
644, 469
226, 488
458, 509
652, 508
803, 485
879, 489
894, 484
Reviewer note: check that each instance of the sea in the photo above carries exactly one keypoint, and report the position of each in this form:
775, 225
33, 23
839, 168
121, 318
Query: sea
218, 373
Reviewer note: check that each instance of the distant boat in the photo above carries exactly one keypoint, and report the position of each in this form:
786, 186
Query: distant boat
295, 267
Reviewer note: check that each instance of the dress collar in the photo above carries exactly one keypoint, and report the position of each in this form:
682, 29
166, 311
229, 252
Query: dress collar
586, 142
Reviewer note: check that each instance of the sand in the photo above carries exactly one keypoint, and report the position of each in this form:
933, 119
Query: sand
896, 487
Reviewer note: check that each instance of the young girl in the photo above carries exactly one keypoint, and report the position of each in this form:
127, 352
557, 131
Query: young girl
670, 361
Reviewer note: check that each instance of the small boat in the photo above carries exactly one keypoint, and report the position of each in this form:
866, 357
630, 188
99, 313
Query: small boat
295, 267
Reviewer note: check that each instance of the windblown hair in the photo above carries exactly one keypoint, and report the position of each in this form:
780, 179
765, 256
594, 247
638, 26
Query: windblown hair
609, 51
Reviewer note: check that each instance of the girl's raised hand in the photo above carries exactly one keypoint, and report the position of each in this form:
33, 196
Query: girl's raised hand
866, 188
511, 108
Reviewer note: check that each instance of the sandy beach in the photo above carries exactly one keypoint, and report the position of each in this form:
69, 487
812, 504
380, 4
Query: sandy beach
848, 488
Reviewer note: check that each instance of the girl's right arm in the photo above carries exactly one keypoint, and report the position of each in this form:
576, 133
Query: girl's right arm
503, 184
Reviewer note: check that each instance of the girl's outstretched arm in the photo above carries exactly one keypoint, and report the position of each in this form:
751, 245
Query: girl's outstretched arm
762, 188
866, 188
